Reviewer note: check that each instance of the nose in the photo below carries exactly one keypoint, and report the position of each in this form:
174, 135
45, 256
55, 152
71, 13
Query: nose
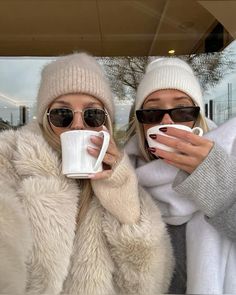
166, 120
77, 123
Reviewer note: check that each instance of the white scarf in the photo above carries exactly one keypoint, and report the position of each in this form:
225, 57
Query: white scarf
211, 257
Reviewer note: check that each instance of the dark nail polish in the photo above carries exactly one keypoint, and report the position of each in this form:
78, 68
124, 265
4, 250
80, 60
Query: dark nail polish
152, 150
163, 129
153, 136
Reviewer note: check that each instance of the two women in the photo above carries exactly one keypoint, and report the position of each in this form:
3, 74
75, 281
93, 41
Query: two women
102, 235
179, 181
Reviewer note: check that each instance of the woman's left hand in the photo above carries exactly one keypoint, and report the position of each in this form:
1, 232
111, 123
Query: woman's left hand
111, 158
192, 149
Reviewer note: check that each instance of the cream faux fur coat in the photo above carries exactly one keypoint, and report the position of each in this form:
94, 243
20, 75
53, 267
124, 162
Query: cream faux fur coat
43, 251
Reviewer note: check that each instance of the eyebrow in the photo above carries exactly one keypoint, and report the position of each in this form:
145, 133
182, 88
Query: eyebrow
62, 102
153, 99
69, 105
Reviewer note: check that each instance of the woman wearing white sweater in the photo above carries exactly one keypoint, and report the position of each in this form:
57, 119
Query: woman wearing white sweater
181, 181
103, 235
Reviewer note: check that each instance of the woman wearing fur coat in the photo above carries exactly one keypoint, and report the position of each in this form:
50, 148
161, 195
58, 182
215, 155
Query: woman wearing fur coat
103, 235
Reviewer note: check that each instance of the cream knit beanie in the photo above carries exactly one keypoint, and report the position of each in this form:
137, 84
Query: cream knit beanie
75, 73
169, 73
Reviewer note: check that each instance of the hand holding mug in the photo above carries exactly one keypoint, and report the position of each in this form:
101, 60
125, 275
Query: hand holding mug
184, 149
111, 157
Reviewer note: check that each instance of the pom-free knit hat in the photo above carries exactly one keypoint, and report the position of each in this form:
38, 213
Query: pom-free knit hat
169, 73
75, 73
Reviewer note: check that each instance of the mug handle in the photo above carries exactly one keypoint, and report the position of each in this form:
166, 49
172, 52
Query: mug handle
105, 144
199, 129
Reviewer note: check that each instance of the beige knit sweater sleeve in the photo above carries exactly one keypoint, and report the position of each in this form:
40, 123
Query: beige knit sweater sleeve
119, 193
137, 236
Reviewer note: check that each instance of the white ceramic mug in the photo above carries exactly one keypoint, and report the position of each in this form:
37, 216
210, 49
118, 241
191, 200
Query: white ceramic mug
76, 161
155, 130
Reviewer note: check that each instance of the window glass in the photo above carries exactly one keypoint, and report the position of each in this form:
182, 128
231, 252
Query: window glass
146, 30
20, 77
220, 93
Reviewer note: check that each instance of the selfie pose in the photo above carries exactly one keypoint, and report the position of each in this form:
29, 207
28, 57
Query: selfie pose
172, 158
69, 230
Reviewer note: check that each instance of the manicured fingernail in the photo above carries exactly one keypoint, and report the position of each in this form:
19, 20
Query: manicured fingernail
163, 129
152, 150
153, 136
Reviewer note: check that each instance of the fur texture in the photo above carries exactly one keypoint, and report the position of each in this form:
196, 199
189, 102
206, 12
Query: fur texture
41, 249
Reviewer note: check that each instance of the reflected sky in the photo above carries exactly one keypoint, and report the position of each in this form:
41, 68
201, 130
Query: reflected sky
19, 77
19, 81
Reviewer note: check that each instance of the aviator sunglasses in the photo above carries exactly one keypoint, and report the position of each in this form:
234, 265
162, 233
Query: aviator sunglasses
63, 117
180, 114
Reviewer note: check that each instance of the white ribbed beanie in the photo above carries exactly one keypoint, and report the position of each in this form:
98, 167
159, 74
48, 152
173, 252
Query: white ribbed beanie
75, 73
169, 73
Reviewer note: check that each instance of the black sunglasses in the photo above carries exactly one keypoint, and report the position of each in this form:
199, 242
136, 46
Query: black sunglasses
155, 116
63, 117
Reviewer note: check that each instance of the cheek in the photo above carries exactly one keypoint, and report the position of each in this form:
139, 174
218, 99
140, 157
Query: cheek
146, 127
58, 131
189, 124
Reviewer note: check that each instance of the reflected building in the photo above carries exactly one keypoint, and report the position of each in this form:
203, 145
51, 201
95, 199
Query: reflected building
13, 111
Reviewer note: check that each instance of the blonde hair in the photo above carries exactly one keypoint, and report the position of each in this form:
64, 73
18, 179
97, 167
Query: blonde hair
85, 185
136, 127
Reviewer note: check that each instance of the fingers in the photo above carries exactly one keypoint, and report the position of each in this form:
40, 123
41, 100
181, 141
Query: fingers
188, 144
108, 159
112, 155
177, 158
97, 140
178, 144
185, 135
190, 149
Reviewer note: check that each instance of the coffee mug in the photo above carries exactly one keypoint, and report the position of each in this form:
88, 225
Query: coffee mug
76, 161
156, 130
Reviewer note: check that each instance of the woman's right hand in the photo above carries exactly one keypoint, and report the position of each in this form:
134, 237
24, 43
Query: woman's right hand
191, 149
111, 158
